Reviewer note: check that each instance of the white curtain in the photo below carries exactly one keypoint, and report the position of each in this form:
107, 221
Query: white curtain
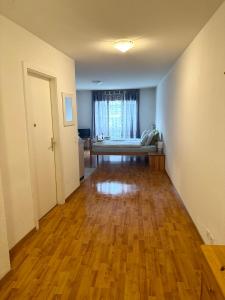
129, 119
116, 117
101, 118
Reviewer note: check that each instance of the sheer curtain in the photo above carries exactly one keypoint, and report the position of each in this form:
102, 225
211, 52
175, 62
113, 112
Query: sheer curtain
101, 109
116, 114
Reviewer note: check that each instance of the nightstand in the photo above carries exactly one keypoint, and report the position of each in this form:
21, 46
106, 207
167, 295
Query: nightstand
156, 161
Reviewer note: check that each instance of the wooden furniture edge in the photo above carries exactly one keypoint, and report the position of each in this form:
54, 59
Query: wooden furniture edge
156, 153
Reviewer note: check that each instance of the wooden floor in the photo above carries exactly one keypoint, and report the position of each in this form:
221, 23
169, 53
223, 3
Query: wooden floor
123, 235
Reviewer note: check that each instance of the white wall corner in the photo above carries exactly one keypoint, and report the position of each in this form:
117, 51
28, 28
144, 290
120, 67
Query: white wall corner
4, 248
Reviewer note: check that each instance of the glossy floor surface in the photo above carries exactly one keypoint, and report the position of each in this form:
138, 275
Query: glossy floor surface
124, 234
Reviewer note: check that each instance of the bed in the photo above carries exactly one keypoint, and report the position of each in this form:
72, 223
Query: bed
130, 147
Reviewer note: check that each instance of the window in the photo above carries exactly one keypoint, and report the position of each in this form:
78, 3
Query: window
116, 116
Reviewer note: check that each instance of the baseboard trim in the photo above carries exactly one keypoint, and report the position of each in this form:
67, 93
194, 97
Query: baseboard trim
71, 195
5, 278
19, 245
184, 206
13, 251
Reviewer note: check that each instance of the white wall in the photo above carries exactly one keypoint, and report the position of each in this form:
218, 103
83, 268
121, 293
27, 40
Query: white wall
147, 108
4, 252
84, 109
191, 115
19, 45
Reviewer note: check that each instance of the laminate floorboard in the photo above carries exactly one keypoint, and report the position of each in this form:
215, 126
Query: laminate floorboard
124, 234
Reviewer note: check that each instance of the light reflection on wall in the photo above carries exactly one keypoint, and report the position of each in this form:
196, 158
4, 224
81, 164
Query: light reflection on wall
115, 188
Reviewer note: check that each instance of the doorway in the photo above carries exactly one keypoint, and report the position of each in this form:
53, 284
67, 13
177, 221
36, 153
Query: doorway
43, 142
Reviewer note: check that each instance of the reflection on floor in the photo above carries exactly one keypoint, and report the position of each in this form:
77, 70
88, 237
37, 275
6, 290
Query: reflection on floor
123, 235
115, 188
89, 167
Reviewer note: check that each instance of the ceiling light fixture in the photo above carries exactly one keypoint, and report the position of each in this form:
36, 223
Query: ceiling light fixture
124, 45
98, 82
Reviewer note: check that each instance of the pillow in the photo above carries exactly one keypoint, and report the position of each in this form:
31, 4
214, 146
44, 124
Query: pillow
144, 139
150, 136
155, 138
144, 133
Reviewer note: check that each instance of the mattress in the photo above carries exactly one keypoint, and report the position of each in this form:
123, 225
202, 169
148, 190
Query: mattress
132, 143
117, 146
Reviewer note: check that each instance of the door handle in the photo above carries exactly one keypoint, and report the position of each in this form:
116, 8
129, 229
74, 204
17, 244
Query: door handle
52, 147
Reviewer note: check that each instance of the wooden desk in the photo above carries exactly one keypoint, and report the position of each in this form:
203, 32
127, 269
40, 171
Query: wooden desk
156, 161
213, 273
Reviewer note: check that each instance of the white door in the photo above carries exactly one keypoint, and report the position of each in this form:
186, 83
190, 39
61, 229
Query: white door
43, 143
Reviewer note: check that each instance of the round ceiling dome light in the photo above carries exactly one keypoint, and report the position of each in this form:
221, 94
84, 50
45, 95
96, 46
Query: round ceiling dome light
124, 45
98, 82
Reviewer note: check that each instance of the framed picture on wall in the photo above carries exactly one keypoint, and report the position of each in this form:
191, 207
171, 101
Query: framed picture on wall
68, 109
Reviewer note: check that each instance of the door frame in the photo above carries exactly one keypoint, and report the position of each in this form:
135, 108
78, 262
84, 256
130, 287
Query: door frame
31, 69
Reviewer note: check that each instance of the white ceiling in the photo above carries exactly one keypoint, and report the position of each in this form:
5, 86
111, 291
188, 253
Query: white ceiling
86, 30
